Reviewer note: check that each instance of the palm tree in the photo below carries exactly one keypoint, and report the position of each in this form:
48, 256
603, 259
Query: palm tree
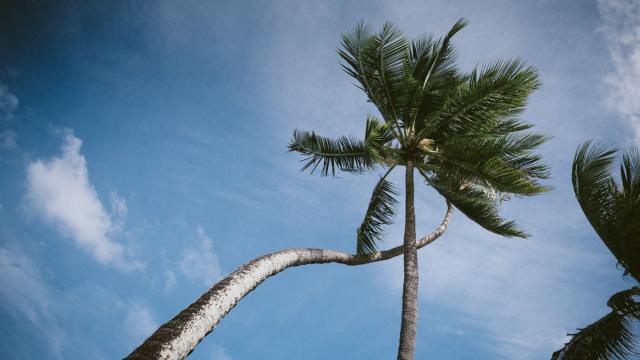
460, 132
613, 209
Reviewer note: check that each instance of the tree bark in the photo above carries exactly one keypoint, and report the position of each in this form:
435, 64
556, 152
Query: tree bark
177, 338
409, 323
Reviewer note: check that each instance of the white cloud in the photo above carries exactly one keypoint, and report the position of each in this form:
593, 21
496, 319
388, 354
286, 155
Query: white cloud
200, 263
59, 190
8, 103
621, 29
140, 323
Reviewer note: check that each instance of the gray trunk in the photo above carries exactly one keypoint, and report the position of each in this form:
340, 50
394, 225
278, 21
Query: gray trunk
409, 324
177, 338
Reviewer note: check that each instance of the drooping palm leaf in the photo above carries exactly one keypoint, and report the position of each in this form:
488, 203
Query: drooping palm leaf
478, 203
614, 213
505, 162
379, 213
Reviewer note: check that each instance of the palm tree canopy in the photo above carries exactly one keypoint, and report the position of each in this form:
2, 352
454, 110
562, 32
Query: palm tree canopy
461, 131
613, 209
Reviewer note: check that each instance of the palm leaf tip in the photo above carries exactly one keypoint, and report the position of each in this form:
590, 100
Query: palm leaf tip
379, 213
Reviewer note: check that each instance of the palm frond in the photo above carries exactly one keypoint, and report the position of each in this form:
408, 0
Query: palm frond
345, 153
624, 302
611, 337
379, 213
376, 138
614, 216
497, 91
376, 62
435, 70
504, 161
476, 202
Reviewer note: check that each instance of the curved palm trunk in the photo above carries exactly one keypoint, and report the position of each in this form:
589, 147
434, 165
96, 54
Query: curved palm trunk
177, 338
409, 324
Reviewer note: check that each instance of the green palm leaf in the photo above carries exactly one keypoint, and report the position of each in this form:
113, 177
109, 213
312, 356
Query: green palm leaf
379, 213
345, 153
497, 91
613, 211
477, 202
504, 162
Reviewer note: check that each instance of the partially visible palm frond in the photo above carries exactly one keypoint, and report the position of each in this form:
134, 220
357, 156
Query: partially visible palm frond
611, 337
379, 213
626, 302
612, 210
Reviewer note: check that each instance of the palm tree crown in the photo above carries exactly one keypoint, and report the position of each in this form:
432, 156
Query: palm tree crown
460, 131
613, 209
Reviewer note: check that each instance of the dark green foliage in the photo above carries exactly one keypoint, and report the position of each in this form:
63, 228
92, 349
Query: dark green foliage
611, 337
461, 130
613, 209
348, 154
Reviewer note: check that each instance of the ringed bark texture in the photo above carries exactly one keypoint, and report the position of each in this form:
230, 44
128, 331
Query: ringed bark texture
409, 323
177, 338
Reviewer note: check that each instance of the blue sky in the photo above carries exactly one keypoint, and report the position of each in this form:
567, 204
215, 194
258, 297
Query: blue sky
143, 157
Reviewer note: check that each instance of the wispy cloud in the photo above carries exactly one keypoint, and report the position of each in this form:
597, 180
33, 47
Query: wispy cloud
8, 103
8, 139
219, 353
59, 189
139, 323
200, 262
170, 281
620, 25
24, 294
58, 317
